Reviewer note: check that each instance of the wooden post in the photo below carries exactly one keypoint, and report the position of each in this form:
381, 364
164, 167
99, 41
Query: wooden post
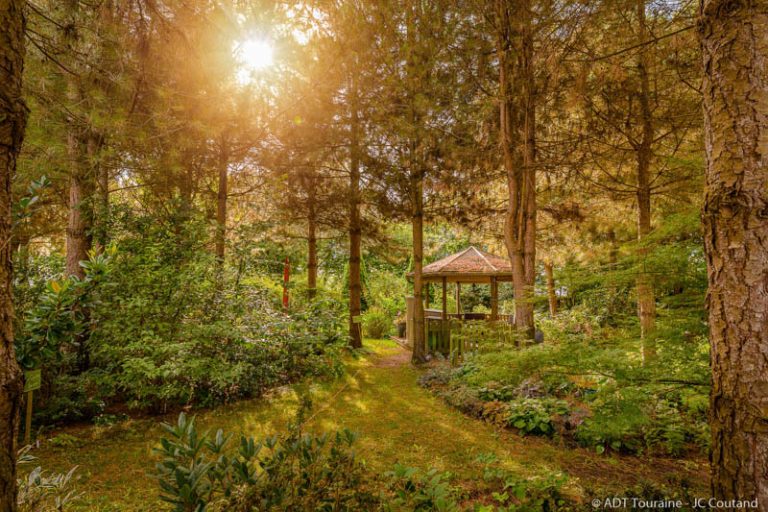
409, 320
426, 295
446, 327
286, 277
494, 299
445, 299
28, 420
458, 298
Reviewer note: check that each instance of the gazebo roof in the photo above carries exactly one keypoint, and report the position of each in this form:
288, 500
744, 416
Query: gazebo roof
471, 265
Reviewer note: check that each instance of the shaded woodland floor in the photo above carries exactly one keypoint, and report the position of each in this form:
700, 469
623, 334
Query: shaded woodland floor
398, 421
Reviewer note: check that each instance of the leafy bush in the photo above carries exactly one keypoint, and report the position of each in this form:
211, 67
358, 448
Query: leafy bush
633, 421
165, 329
522, 494
417, 492
619, 402
377, 323
40, 491
534, 416
292, 472
69, 398
296, 472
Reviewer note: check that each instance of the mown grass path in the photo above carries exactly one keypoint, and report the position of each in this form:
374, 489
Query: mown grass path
397, 421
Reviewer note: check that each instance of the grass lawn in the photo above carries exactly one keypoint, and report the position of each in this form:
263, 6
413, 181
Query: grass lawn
379, 398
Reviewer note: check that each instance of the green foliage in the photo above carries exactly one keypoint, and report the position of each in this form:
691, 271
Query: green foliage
420, 492
634, 420
40, 491
534, 416
617, 402
377, 324
68, 397
296, 472
64, 441
164, 329
516, 494
56, 318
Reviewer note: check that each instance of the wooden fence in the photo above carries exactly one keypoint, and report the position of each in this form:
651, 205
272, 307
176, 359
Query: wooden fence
459, 335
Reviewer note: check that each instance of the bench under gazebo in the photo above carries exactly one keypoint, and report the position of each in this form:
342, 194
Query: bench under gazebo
470, 266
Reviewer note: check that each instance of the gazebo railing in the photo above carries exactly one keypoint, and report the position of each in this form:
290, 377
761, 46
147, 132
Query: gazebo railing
456, 336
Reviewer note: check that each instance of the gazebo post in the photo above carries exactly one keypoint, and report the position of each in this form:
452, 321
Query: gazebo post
458, 299
494, 299
446, 328
426, 295
445, 298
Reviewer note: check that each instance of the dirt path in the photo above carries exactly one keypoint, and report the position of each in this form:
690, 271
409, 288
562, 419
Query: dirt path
397, 421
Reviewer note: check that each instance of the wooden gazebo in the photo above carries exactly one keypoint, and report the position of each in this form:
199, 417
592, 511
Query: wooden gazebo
471, 266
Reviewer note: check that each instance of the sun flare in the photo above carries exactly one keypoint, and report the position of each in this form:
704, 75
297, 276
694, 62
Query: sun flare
252, 55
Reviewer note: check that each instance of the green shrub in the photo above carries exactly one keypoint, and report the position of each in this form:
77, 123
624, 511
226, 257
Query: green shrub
634, 421
165, 329
621, 403
533, 415
40, 491
417, 492
377, 323
294, 472
516, 494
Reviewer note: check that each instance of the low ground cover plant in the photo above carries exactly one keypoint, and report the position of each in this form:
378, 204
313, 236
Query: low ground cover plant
592, 391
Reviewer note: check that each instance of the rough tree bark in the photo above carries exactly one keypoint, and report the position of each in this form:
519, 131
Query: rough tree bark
734, 39
417, 225
13, 115
416, 172
646, 301
355, 227
78, 226
80, 220
518, 141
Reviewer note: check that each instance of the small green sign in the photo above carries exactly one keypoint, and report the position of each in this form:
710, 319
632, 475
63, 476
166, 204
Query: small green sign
357, 319
32, 380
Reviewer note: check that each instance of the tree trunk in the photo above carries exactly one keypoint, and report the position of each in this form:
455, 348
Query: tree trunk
734, 38
528, 191
355, 228
312, 252
13, 115
646, 301
416, 172
551, 289
80, 221
417, 225
518, 140
78, 227
102, 178
221, 201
